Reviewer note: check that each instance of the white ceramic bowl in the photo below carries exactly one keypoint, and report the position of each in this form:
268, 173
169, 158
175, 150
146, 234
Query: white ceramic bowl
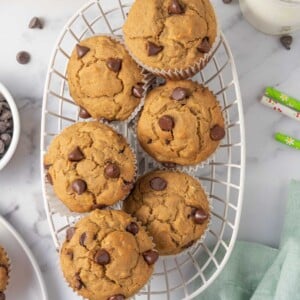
16, 133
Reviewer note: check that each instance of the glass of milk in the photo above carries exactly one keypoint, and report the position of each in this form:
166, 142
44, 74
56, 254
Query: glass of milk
272, 16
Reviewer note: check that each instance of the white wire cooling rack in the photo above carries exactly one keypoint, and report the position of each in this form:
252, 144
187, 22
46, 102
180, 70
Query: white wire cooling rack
187, 275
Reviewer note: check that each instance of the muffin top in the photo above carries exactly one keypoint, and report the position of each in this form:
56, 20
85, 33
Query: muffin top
107, 256
90, 166
181, 123
4, 269
170, 34
104, 79
172, 206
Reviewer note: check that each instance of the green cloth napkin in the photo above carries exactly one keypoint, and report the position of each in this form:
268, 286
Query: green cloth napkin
259, 272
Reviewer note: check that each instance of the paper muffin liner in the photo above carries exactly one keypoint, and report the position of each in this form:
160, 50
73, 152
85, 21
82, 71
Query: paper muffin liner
196, 243
183, 168
57, 206
75, 291
190, 71
8, 268
147, 81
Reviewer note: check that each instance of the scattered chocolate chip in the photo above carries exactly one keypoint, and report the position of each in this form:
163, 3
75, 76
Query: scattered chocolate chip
35, 22
79, 186
286, 41
78, 282
133, 228
70, 254
83, 113
204, 46
6, 138
49, 178
2, 296
154, 49
99, 206
199, 215
175, 8
23, 57
180, 94
112, 171
76, 155
102, 257
149, 141
138, 91
158, 184
117, 297
150, 257
227, 1
81, 50
70, 233
166, 123
217, 133
114, 64
169, 165
82, 239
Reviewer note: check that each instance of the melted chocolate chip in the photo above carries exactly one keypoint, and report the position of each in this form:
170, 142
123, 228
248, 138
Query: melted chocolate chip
102, 257
112, 171
217, 133
204, 46
175, 8
149, 141
82, 239
70, 233
150, 257
133, 228
166, 123
154, 49
81, 50
70, 254
158, 184
199, 215
78, 282
79, 186
117, 297
76, 155
180, 94
83, 113
114, 64
138, 91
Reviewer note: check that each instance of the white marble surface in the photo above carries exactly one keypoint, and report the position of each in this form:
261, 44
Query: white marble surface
261, 61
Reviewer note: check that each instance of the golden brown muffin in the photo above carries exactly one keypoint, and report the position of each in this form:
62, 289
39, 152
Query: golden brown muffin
172, 206
181, 123
90, 166
103, 79
170, 34
4, 272
107, 256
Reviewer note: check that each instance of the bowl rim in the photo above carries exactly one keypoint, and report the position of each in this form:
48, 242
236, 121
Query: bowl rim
16, 131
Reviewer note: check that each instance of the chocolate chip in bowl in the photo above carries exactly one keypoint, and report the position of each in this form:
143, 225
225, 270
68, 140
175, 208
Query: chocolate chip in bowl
9, 126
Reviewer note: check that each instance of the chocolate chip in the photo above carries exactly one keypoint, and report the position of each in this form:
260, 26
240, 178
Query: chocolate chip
102, 257
175, 8
112, 171
169, 165
138, 91
286, 41
133, 228
150, 257
35, 22
78, 282
180, 94
227, 1
49, 178
81, 50
79, 186
82, 239
23, 57
70, 233
217, 133
204, 46
149, 141
6, 138
154, 49
166, 123
70, 254
117, 297
114, 64
2, 296
167, 142
158, 184
76, 155
83, 113
199, 215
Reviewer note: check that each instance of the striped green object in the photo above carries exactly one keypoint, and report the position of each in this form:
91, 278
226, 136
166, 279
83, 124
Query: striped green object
287, 140
283, 98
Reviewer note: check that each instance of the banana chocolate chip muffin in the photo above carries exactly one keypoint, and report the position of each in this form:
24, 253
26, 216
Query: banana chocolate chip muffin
4, 272
107, 256
172, 206
104, 80
171, 34
90, 166
181, 123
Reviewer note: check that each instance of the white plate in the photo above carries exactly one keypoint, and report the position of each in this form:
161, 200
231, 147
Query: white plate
26, 280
